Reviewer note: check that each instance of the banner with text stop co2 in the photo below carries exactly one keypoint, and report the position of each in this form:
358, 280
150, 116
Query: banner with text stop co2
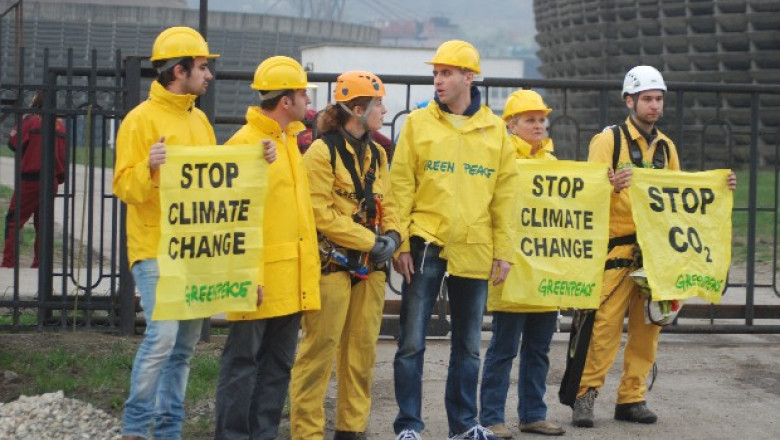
683, 224
211, 230
562, 234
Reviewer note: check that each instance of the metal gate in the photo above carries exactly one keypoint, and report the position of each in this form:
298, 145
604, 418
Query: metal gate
83, 281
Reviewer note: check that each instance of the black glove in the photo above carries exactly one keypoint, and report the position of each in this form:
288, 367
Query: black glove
383, 249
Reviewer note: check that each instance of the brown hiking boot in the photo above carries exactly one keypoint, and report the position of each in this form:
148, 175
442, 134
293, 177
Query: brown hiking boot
636, 412
582, 416
542, 427
500, 430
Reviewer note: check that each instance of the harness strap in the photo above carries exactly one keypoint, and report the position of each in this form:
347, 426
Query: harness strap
618, 263
620, 241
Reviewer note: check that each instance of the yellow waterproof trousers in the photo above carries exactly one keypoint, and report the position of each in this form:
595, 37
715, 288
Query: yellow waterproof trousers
618, 294
345, 328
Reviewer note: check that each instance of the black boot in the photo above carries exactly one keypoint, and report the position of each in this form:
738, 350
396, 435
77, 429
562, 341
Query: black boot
347, 435
637, 412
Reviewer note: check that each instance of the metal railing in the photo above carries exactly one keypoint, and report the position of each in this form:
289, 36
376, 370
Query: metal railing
83, 279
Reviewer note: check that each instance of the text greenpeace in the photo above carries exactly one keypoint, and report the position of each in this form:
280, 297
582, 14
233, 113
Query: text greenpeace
565, 288
683, 223
562, 234
446, 166
211, 212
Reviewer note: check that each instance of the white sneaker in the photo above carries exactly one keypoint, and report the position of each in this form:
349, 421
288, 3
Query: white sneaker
477, 432
408, 434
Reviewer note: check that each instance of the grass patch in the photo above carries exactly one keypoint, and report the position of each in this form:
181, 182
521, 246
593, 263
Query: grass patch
96, 368
80, 155
765, 221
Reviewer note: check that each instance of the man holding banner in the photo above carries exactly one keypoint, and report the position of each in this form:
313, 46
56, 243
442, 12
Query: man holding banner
169, 117
635, 143
260, 349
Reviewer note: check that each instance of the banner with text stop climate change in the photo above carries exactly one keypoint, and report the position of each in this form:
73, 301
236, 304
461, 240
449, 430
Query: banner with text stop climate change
562, 234
683, 224
211, 225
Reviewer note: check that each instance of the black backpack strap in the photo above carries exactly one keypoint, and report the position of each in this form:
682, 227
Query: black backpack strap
371, 174
336, 142
616, 146
661, 154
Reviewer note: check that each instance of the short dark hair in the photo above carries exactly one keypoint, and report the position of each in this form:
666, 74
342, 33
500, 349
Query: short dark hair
166, 76
270, 104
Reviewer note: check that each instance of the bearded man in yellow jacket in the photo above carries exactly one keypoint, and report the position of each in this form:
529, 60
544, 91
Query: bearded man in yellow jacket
454, 178
260, 349
641, 145
169, 117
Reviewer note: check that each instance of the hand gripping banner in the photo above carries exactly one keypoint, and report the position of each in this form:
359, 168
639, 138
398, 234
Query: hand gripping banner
211, 227
683, 225
562, 234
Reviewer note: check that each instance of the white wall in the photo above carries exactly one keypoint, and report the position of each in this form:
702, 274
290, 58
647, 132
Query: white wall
396, 61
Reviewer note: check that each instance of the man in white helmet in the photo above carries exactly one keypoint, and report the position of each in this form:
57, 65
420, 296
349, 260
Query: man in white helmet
639, 144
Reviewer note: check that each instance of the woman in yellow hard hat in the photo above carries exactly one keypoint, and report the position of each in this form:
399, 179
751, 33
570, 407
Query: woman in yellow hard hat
525, 114
357, 221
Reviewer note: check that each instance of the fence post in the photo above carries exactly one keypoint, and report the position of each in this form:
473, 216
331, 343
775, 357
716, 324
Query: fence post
752, 204
46, 197
132, 96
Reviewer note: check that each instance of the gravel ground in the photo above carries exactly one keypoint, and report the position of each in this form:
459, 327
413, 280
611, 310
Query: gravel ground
53, 416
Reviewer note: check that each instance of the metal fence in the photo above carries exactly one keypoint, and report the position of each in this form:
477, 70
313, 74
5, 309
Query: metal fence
83, 281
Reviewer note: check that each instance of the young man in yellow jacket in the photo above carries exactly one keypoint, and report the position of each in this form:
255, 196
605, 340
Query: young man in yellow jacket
641, 145
169, 117
453, 177
260, 349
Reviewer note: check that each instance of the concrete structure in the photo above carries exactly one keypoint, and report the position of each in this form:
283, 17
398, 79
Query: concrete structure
337, 58
723, 41
242, 40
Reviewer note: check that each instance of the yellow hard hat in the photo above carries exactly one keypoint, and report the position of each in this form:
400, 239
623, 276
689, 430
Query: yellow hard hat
524, 101
180, 42
280, 73
459, 54
356, 84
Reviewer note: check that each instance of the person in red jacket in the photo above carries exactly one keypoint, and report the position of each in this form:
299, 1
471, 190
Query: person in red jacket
29, 190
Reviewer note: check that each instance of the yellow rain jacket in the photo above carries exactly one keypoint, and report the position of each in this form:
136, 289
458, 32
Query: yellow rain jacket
455, 188
290, 269
621, 221
494, 302
523, 149
334, 200
163, 114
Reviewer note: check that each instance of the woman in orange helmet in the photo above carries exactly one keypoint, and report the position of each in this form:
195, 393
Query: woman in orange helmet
357, 223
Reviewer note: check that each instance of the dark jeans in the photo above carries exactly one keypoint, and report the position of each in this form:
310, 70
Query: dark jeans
536, 330
254, 376
467, 305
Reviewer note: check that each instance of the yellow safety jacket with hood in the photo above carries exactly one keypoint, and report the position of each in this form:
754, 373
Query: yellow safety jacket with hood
455, 188
290, 267
494, 301
163, 114
523, 149
334, 200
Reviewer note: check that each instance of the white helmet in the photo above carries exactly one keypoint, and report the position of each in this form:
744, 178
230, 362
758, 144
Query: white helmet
642, 78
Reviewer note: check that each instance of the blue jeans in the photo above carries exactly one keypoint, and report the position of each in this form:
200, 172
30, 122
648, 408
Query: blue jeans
537, 331
162, 364
254, 376
467, 305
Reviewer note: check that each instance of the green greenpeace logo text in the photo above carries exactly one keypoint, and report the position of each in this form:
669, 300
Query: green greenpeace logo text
706, 282
565, 288
215, 292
